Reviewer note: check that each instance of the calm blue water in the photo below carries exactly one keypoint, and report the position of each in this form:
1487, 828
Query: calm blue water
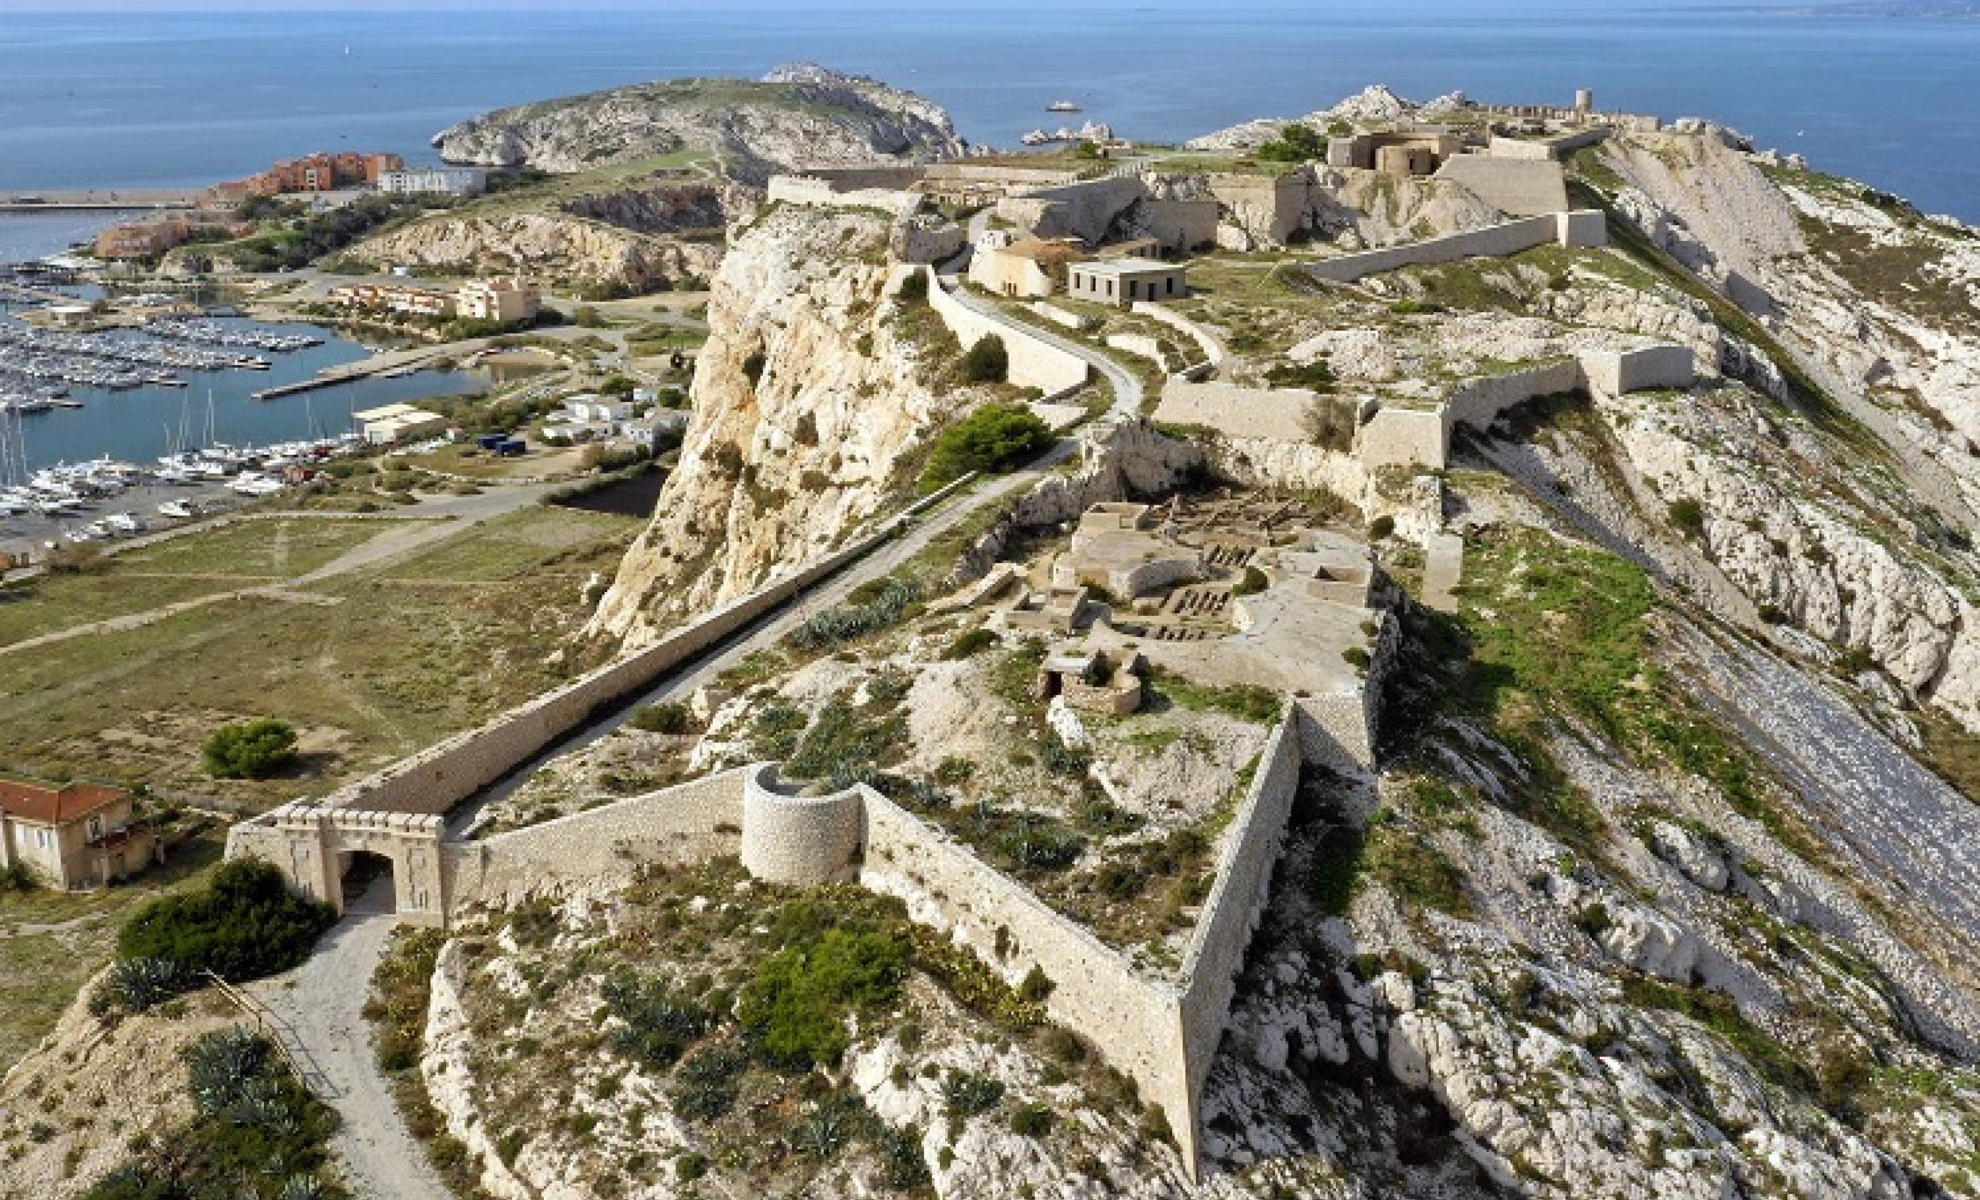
177, 100
135, 425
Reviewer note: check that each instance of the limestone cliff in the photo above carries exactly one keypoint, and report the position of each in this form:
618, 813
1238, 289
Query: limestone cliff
565, 249
810, 402
798, 115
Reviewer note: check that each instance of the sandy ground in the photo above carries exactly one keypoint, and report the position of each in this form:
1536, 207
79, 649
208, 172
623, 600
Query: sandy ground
322, 1001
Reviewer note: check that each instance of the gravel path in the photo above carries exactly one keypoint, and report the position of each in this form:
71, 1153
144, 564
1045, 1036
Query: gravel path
322, 1003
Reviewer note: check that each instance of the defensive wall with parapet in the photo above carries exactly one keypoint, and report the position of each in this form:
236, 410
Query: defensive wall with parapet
1034, 362
1421, 437
1581, 227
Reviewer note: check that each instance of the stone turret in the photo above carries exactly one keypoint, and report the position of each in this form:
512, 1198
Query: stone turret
802, 840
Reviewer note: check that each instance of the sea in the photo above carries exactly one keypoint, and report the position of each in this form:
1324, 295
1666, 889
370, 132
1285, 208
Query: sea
1886, 93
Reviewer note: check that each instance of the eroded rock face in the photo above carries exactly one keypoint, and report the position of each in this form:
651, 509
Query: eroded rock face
809, 399
800, 115
565, 249
1803, 554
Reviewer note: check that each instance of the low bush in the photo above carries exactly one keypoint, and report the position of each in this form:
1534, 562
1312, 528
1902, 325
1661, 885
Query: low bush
973, 642
987, 361
657, 1026
671, 717
242, 925
250, 749
993, 438
793, 1012
254, 1132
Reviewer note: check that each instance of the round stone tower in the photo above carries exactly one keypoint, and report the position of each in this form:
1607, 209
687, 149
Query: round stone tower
801, 840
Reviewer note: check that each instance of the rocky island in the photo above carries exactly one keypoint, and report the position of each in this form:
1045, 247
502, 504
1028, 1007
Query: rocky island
1421, 650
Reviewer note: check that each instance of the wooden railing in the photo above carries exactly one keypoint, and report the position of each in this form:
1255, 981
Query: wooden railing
281, 1035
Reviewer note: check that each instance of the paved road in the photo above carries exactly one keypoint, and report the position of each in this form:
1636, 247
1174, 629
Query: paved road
322, 1002
1126, 384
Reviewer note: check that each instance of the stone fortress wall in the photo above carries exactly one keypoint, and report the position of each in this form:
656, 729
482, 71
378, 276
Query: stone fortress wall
1577, 228
1421, 437
1034, 362
1161, 1032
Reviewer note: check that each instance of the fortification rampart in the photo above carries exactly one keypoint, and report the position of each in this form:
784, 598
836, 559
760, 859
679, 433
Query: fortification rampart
601, 848
1422, 436
1232, 910
1134, 1022
1213, 350
816, 192
1494, 241
1034, 362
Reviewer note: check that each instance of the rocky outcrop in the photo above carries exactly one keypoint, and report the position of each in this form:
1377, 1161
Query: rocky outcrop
796, 116
566, 250
1375, 103
811, 398
70, 1109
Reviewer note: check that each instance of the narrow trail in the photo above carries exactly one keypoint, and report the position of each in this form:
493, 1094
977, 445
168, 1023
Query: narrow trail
322, 1003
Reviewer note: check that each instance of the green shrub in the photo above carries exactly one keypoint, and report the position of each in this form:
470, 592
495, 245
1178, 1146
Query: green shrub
670, 717
794, 1011
900, 1154
1031, 1120
914, 288
137, 985
965, 1094
1381, 527
993, 438
705, 1086
1295, 143
973, 642
1253, 582
244, 924
250, 749
1689, 516
987, 361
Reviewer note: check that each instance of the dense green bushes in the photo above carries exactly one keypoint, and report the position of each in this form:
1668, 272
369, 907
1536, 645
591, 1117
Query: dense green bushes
250, 749
993, 438
242, 925
794, 1011
987, 361
1295, 143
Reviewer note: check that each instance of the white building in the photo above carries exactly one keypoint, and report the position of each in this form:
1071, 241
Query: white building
503, 299
1122, 281
395, 423
445, 181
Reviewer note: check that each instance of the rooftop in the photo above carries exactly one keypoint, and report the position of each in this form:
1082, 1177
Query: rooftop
1129, 266
47, 805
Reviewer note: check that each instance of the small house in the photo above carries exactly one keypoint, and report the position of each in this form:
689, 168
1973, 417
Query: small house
1120, 282
72, 836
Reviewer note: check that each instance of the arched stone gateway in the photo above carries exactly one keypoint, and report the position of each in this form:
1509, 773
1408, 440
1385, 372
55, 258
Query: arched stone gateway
313, 845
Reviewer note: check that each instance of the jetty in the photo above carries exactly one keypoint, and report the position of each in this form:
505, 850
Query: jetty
29, 200
391, 362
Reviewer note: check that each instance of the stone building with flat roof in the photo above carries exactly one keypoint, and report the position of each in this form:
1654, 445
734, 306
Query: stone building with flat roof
1122, 281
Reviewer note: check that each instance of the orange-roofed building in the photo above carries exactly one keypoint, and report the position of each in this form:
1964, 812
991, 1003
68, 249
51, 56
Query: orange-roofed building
74, 835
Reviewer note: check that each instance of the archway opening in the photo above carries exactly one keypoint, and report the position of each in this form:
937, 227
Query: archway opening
368, 882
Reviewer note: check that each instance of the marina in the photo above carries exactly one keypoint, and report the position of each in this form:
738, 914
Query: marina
133, 391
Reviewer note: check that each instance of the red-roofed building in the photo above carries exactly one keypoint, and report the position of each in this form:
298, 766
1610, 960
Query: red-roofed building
72, 836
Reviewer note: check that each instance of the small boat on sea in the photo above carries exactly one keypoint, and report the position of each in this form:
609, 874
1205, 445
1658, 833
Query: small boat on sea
1062, 106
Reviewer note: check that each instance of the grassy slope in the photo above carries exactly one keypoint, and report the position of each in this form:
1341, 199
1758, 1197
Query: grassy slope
404, 654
